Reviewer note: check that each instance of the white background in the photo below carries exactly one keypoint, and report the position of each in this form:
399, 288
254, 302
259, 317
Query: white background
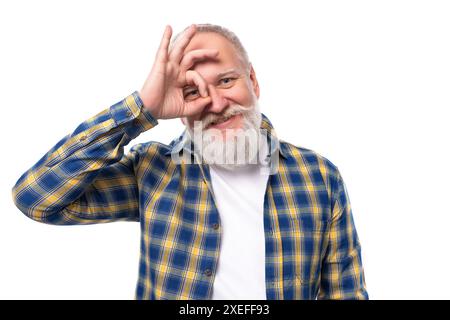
364, 83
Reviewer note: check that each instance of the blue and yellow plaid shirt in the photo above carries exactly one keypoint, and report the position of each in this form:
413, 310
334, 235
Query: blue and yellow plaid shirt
311, 245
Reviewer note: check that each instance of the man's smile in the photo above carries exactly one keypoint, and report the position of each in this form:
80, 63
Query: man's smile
224, 122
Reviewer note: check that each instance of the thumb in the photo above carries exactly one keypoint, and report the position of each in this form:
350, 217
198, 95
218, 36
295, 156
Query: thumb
196, 106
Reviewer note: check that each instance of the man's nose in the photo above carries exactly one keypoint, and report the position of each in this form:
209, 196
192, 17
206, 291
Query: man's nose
218, 101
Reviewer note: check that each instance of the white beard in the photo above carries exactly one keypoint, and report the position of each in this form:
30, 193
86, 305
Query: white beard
230, 148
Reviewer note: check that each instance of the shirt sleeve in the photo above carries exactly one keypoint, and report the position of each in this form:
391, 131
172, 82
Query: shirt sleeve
86, 178
342, 275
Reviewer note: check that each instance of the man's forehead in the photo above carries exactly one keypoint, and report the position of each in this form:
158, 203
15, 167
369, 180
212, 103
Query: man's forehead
211, 40
227, 60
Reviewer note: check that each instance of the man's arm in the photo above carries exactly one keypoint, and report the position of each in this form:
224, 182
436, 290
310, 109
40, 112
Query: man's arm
342, 275
85, 178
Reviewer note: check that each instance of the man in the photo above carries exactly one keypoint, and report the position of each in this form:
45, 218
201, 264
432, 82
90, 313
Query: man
221, 217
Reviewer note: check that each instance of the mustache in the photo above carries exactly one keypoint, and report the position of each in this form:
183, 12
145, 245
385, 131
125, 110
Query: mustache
233, 110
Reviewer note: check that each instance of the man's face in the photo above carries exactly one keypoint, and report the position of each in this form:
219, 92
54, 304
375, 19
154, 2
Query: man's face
228, 81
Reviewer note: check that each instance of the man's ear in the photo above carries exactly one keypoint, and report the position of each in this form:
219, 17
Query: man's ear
254, 81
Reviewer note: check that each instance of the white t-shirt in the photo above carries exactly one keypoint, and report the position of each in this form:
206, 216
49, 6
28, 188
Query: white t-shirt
239, 196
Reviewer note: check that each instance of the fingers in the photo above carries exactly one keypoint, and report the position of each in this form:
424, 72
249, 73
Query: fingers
196, 106
177, 52
162, 54
194, 78
190, 58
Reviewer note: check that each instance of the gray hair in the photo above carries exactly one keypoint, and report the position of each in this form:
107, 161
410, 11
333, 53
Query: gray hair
227, 34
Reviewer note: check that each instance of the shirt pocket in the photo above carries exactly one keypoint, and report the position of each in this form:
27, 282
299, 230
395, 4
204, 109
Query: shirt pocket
306, 222
311, 232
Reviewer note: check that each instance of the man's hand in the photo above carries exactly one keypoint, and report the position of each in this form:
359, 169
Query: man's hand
162, 93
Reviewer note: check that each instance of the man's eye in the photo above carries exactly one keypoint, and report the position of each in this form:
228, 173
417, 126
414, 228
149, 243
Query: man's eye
191, 94
227, 80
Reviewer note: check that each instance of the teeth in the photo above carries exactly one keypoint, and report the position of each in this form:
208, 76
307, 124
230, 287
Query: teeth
221, 120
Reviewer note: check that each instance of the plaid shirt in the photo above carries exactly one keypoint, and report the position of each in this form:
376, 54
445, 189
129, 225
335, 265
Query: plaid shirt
311, 245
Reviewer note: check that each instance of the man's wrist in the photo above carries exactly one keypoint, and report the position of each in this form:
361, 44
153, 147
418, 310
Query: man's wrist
146, 105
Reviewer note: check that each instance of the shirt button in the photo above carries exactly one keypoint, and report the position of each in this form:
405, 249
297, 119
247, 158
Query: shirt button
215, 226
128, 113
82, 138
208, 272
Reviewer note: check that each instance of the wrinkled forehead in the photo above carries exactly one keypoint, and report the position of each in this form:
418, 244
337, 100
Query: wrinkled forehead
227, 58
